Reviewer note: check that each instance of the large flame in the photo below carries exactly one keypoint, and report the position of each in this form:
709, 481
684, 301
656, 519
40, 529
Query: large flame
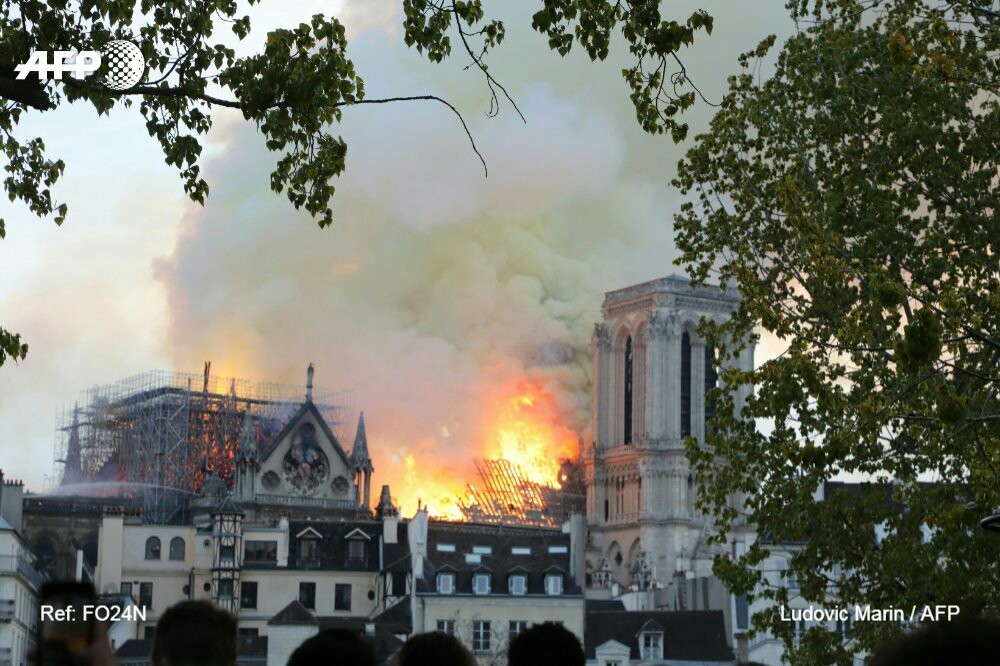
521, 424
526, 431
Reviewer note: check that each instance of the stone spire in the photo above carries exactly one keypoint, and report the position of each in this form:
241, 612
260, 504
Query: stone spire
362, 463
309, 382
73, 467
247, 451
359, 454
385, 507
246, 460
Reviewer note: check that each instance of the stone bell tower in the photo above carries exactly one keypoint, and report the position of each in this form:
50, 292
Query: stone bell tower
651, 374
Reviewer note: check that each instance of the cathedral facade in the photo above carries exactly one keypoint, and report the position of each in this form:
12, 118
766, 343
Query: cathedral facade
652, 372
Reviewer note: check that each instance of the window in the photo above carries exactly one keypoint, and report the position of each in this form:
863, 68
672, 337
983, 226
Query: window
227, 554
518, 584
652, 645
446, 583
520, 550
225, 587
398, 582
481, 583
307, 595
308, 551
153, 548
627, 406
685, 385
260, 551
446, 627
446, 547
553, 584
146, 595
342, 597
127, 589
248, 632
711, 381
248, 595
742, 613
482, 550
177, 548
356, 550
558, 550
516, 627
798, 629
481, 636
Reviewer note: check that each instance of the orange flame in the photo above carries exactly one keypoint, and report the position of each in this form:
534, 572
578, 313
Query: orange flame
528, 433
523, 425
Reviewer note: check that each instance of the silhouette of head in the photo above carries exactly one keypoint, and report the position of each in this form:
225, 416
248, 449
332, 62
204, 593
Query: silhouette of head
334, 647
547, 644
434, 649
969, 640
195, 633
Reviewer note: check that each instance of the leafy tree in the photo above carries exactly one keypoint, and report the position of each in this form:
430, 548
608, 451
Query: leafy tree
852, 198
295, 89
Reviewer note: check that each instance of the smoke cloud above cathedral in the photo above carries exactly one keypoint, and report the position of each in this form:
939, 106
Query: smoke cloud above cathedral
438, 294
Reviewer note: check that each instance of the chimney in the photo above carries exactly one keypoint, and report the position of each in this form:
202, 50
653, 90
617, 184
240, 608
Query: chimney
577, 547
12, 502
742, 649
417, 533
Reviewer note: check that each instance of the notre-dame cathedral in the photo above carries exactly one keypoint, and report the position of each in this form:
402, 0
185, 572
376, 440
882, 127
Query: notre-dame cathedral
651, 374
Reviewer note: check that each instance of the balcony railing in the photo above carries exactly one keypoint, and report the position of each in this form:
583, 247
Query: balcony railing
321, 502
15, 564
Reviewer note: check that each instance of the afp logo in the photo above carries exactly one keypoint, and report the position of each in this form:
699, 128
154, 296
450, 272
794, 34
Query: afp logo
125, 64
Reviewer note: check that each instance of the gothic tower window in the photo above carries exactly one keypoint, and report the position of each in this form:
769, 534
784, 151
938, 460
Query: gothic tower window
711, 381
627, 407
685, 385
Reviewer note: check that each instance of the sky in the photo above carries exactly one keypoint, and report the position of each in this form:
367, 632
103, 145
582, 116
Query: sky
439, 297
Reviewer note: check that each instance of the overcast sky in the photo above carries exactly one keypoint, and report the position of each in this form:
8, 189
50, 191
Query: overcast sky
434, 286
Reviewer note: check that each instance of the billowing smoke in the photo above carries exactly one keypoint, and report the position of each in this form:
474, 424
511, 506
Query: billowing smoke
452, 304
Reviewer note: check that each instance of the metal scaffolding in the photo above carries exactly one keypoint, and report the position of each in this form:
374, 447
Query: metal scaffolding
507, 497
152, 436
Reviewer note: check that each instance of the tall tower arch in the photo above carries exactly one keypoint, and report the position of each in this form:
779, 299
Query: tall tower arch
652, 373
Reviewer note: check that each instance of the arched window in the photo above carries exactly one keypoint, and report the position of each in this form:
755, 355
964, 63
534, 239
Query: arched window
177, 548
685, 385
153, 548
627, 407
711, 381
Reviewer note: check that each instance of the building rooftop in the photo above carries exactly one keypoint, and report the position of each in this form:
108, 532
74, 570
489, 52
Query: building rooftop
666, 291
467, 549
690, 636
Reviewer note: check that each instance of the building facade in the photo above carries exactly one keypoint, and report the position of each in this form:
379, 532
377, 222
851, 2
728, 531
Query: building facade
19, 581
651, 381
486, 583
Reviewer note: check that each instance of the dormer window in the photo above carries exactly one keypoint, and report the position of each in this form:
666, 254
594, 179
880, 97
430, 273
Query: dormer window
652, 645
553, 584
357, 547
356, 550
309, 541
446, 583
481, 583
518, 584
309, 551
